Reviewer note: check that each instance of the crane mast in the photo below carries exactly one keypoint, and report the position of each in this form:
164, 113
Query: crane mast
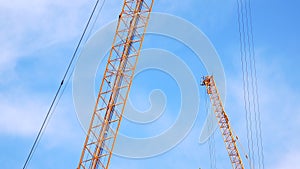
115, 85
223, 122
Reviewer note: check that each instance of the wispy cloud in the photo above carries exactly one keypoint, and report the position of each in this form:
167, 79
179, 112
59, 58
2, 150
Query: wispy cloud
288, 160
27, 27
278, 105
20, 117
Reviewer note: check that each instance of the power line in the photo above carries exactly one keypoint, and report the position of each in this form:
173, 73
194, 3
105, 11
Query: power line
96, 19
239, 11
250, 49
251, 102
255, 94
211, 140
57, 94
247, 69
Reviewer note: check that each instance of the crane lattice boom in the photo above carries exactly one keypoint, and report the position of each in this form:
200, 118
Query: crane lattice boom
223, 122
115, 85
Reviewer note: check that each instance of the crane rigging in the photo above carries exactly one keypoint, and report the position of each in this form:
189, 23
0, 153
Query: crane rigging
223, 122
115, 85
117, 79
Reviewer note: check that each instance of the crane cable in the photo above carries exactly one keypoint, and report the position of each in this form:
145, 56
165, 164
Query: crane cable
243, 74
247, 42
58, 93
247, 69
211, 140
256, 106
242, 148
257, 122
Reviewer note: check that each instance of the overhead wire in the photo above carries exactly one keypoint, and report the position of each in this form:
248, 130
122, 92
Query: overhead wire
244, 16
59, 91
242, 148
250, 89
95, 20
212, 154
211, 140
239, 10
254, 90
213, 151
250, 50
252, 84
255, 93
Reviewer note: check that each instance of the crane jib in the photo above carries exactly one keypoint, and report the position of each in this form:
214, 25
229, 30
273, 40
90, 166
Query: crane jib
115, 85
223, 122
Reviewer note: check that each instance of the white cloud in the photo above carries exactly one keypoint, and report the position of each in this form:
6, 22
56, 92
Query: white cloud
20, 116
29, 26
289, 160
7, 59
278, 106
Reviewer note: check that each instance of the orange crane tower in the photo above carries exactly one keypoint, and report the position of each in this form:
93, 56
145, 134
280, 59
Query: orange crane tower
115, 85
223, 121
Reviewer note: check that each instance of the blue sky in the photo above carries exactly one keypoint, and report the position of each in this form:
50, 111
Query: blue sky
37, 39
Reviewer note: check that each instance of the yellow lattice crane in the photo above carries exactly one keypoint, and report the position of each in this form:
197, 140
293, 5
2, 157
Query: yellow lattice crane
223, 122
115, 85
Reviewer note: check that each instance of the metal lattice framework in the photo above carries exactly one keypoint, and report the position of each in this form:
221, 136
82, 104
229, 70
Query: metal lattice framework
115, 85
223, 121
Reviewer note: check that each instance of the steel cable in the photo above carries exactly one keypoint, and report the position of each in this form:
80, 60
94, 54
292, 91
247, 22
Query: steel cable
250, 89
247, 69
243, 75
255, 93
57, 96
